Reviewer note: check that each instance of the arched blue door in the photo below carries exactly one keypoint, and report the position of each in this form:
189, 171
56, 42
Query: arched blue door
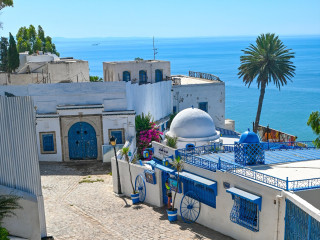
82, 141
159, 76
142, 76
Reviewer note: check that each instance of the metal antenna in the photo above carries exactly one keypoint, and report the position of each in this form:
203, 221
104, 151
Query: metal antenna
154, 50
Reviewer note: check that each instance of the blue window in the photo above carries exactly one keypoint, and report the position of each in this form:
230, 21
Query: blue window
159, 75
246, 207
203, 106
174, 109
118, 134
48, 142
142, 77
205, 189
126, 76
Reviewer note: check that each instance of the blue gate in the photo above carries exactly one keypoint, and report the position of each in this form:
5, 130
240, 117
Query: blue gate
165, 177
300, 225
82, 141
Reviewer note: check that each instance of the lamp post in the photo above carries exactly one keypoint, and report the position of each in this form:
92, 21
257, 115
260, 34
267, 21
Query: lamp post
113, 144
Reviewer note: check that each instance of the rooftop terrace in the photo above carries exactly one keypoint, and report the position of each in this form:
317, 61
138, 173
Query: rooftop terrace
293, 168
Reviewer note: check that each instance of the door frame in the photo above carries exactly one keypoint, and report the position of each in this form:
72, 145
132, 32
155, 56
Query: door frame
67, 121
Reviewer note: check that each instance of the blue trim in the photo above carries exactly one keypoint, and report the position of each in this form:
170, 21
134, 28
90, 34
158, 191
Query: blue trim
161, 167
245, 195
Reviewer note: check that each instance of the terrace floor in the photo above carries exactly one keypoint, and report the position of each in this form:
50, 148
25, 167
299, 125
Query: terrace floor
273, 157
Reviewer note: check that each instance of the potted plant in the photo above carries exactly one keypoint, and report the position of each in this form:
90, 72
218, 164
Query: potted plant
134, 195
172, 212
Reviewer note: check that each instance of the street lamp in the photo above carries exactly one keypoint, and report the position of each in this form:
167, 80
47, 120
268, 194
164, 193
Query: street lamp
113, 142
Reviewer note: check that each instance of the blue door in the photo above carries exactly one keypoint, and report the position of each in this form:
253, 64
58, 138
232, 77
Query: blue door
82, 141
165, 177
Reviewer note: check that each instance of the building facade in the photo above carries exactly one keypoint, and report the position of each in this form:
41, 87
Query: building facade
74, 120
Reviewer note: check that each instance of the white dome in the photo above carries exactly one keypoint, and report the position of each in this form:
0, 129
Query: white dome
193, 123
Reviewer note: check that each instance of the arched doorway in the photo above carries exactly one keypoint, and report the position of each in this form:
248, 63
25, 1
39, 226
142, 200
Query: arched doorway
82, 142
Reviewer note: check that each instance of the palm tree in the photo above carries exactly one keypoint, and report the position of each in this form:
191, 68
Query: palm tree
267, 61
178, 164
8, 203
125, 153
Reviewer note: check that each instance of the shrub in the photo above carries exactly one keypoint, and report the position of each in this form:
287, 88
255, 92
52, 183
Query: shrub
171, 141
4, 234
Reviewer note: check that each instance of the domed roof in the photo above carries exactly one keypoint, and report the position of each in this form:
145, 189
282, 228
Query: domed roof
192, 123
249, 137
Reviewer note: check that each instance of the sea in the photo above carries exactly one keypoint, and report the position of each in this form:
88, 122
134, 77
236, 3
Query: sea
287, 109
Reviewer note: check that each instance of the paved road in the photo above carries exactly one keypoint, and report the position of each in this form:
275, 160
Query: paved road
91, 211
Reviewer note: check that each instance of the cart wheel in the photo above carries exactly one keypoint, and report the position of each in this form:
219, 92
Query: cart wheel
140, 187
190, 207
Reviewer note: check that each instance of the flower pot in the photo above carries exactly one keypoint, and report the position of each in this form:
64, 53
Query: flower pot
135, 198
172, 215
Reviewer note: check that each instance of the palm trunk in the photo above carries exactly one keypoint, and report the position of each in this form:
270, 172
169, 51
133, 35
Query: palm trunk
133, 192
262, 92
175, 193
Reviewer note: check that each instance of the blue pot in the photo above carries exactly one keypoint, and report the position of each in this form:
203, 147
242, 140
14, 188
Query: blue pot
172, 215
135, 198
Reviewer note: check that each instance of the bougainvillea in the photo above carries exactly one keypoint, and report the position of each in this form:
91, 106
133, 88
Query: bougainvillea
145, 138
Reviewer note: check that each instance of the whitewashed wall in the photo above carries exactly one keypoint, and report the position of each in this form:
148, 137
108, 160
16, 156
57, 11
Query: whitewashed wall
219, 218
118, 121
19, 162
185, 96
154, 98
153, 191
25, 223
49, 125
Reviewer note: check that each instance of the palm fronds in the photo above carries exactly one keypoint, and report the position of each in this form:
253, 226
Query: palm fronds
8, 203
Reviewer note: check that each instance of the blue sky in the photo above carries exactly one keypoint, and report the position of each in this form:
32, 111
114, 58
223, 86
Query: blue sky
164, 18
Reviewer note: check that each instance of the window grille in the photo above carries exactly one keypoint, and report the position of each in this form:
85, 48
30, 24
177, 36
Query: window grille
205, 193
245, 213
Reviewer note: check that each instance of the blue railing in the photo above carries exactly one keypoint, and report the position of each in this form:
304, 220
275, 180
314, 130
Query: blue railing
249, 173
217, 147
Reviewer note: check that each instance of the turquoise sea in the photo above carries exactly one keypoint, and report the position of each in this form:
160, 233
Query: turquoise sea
286, 110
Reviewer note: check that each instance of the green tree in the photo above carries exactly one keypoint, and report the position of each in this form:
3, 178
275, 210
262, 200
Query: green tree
23, 34
267, 61
32, 36
6, 3
48, 47
13, 55
4, 54
3, 4
314, 123
41, 34
95, 79
23, 45
37, 46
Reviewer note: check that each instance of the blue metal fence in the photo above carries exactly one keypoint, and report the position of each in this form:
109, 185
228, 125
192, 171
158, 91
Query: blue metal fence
299, 224
249, 153
249, 173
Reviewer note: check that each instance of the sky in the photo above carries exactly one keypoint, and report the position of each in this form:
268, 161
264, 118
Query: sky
163, 18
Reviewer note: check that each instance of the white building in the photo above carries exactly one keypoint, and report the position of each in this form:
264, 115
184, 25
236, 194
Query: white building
46, 68
74, 120
222, 188
142, 72
203, 91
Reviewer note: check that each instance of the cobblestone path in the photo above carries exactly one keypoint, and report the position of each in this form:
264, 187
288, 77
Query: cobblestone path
91, 211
